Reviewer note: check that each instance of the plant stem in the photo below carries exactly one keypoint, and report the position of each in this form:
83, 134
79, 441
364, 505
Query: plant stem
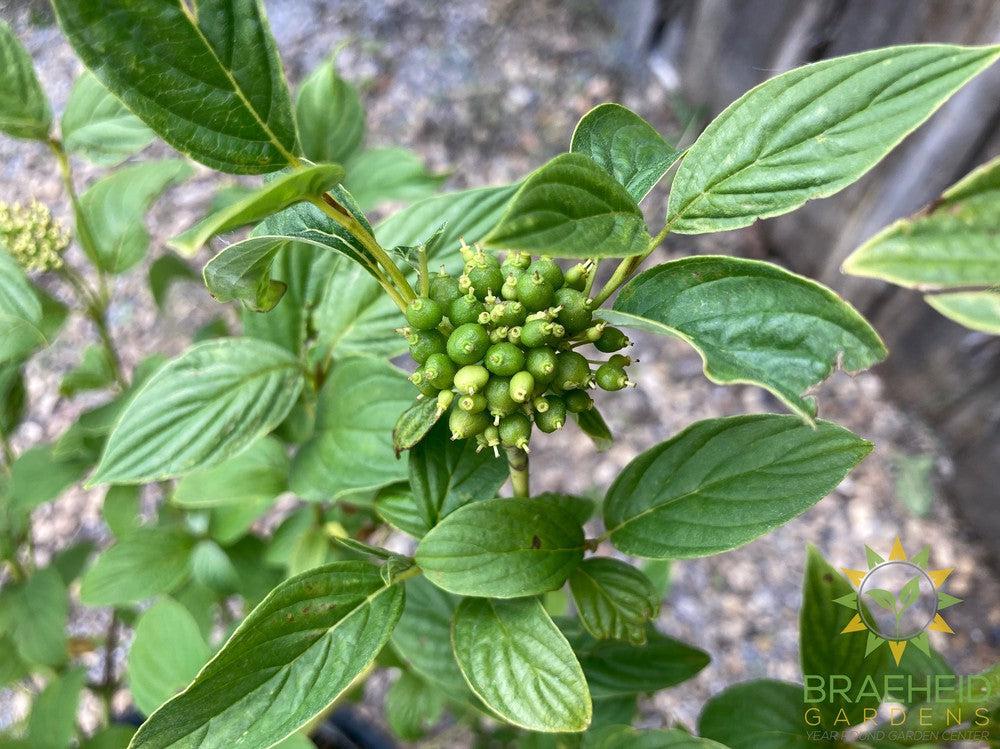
380, 255
519, 478
95, 303
627, 267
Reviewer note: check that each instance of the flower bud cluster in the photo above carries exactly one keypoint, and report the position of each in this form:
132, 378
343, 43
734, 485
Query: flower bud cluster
32, 236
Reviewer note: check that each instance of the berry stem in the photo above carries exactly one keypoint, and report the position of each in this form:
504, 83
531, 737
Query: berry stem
519, 479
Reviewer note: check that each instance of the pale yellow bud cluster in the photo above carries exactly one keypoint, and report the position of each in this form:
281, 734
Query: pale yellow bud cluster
32, 236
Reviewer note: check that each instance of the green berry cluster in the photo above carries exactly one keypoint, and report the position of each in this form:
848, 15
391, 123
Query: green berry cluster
497, 346
30, 234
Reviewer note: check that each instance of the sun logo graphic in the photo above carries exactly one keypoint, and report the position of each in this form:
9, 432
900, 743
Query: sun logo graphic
898, 600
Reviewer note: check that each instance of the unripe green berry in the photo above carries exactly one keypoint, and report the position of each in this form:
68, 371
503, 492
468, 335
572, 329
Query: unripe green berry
423, 343
519, 260
471, 379
439, 370
465, 424
577, 276
539, 404
514, 313
504, 359
484, 275
535, 333
424, 313
509, 289
553, 417
445, 397
556, 331
514, 334
620, 361
515, 430
534, 292
465, 309
472, 403
610, 377
498, 398
419, 379
578, 401
444, 289
541, 362
611, 340
491, 435
575, 313
522, 385
572, 371
549, 269
467, 343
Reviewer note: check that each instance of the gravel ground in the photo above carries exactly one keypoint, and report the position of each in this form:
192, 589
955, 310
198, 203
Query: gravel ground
489, 90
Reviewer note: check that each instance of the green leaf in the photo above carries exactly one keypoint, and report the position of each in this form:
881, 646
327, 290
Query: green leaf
52, 723
824, 651
120, 509
165, 271
594, 426
414, 423
20, 312
383, 175
35, 614
115, 208
259, 472
94, 372
211, 567
352, 448
242, 272
330, 116
210, 85
446, 474
721, 483
520, 665
69, 562
13, 397
751, 322
502, 548
626, 737
976, 310
24, 110
167, 652
956, 242
98, 127
616, 669
112, 737
625, 146
297, 651
812, 131
412, 707
304, 269
199, 410
423, 638
571, 207
762, 714
276, 195
355, 317
614, 600
144, 563
37, 476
